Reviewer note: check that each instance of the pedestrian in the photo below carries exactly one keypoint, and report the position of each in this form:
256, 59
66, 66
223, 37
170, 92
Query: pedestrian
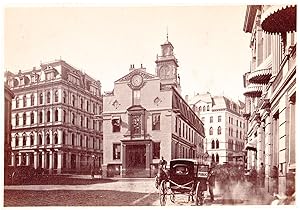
211, 181
92, 168
100, 172
162, 172
261, 175
274, 180
253, 179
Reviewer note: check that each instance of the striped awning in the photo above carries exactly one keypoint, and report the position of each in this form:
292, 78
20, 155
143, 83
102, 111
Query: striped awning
279, 19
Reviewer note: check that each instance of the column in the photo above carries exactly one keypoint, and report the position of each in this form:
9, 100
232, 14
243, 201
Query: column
78, 162
27, 159
268, 146
35, 160
13, 159
43, 159
123, 167
59, 161
69, 160
276, 56
148, 159
50, 162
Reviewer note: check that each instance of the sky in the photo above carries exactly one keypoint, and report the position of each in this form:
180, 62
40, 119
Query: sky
103, 41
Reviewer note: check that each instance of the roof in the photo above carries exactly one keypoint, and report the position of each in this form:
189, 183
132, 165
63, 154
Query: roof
142, 72
206, 97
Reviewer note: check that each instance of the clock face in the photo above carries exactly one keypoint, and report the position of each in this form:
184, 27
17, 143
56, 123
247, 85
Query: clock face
165, 72
136, 80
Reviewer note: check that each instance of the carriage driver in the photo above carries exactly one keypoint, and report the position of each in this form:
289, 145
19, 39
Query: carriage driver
211, 180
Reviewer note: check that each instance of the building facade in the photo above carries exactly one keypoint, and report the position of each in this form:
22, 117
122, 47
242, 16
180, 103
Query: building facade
56, 123
8, 96
270, 90
224, 127
145, 118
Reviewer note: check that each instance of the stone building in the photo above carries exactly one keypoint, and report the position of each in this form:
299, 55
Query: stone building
224, 126
270, 90
8, 96
145, 118
56, 123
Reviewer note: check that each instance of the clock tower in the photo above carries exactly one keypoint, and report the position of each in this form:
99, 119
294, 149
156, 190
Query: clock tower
166, 67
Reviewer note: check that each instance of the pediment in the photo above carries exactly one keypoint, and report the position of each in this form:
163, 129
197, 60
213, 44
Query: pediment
143, 73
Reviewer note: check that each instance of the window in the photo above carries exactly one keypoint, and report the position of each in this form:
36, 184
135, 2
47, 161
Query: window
200, 109
17, 102
17, 140
73, 100
116, 151
87, 105
63, 137
219, 130
40, 139
41, 98
81, 121
211, 119
213, 144
217, 158
31, 118
213, 157
237, 134
237, 123
116, 125
211, 131
73, 139
203, 108
48, 116
136, 126
207, 108
81, 103
56, 115
73, 119
32, 100
240, 124
48, 138
24, 139
17, 119
202, 119
48, 97
217, 144
24, 101
87, 122
55, 138
64, 97
41, 116
56, 96
24, 119
240, 134
31, 139
156, 122
81, 140
176, 124
219, 118
64, 115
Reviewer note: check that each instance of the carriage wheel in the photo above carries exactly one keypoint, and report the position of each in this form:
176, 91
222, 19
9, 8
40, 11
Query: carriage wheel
199, 195
163, 193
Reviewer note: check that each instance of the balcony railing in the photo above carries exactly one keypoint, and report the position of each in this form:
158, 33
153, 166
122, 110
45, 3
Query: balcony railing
253, 91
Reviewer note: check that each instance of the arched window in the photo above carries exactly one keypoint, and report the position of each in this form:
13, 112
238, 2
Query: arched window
73, 100
64, 116
24, 118
31, 118
203, 108
81, 103
41, 116
207, 108
17, 102
17, 119
24, 101
41, 98
48, 138
217, 158
24, 139
56, 96
219, 130
73, 139
48, 116
64, 97
211, 131
63, 137
213, 157
17, 140
200, 109
40, 139
31, 139
73, 118
48, 97
213, 144
55, 138
217, 144
56, 115
32, 100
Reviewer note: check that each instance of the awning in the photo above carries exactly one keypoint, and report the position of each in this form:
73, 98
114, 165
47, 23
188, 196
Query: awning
263, 73
253, 91
279, 19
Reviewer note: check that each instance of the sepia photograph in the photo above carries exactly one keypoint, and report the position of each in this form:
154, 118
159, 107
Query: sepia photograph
149, 104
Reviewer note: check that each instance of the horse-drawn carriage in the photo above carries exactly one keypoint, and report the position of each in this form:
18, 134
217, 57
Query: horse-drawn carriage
185, 176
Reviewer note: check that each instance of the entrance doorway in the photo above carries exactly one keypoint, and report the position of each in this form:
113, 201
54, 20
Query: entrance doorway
135, 156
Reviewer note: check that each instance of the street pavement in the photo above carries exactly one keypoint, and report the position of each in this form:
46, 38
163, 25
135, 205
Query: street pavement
142, 191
